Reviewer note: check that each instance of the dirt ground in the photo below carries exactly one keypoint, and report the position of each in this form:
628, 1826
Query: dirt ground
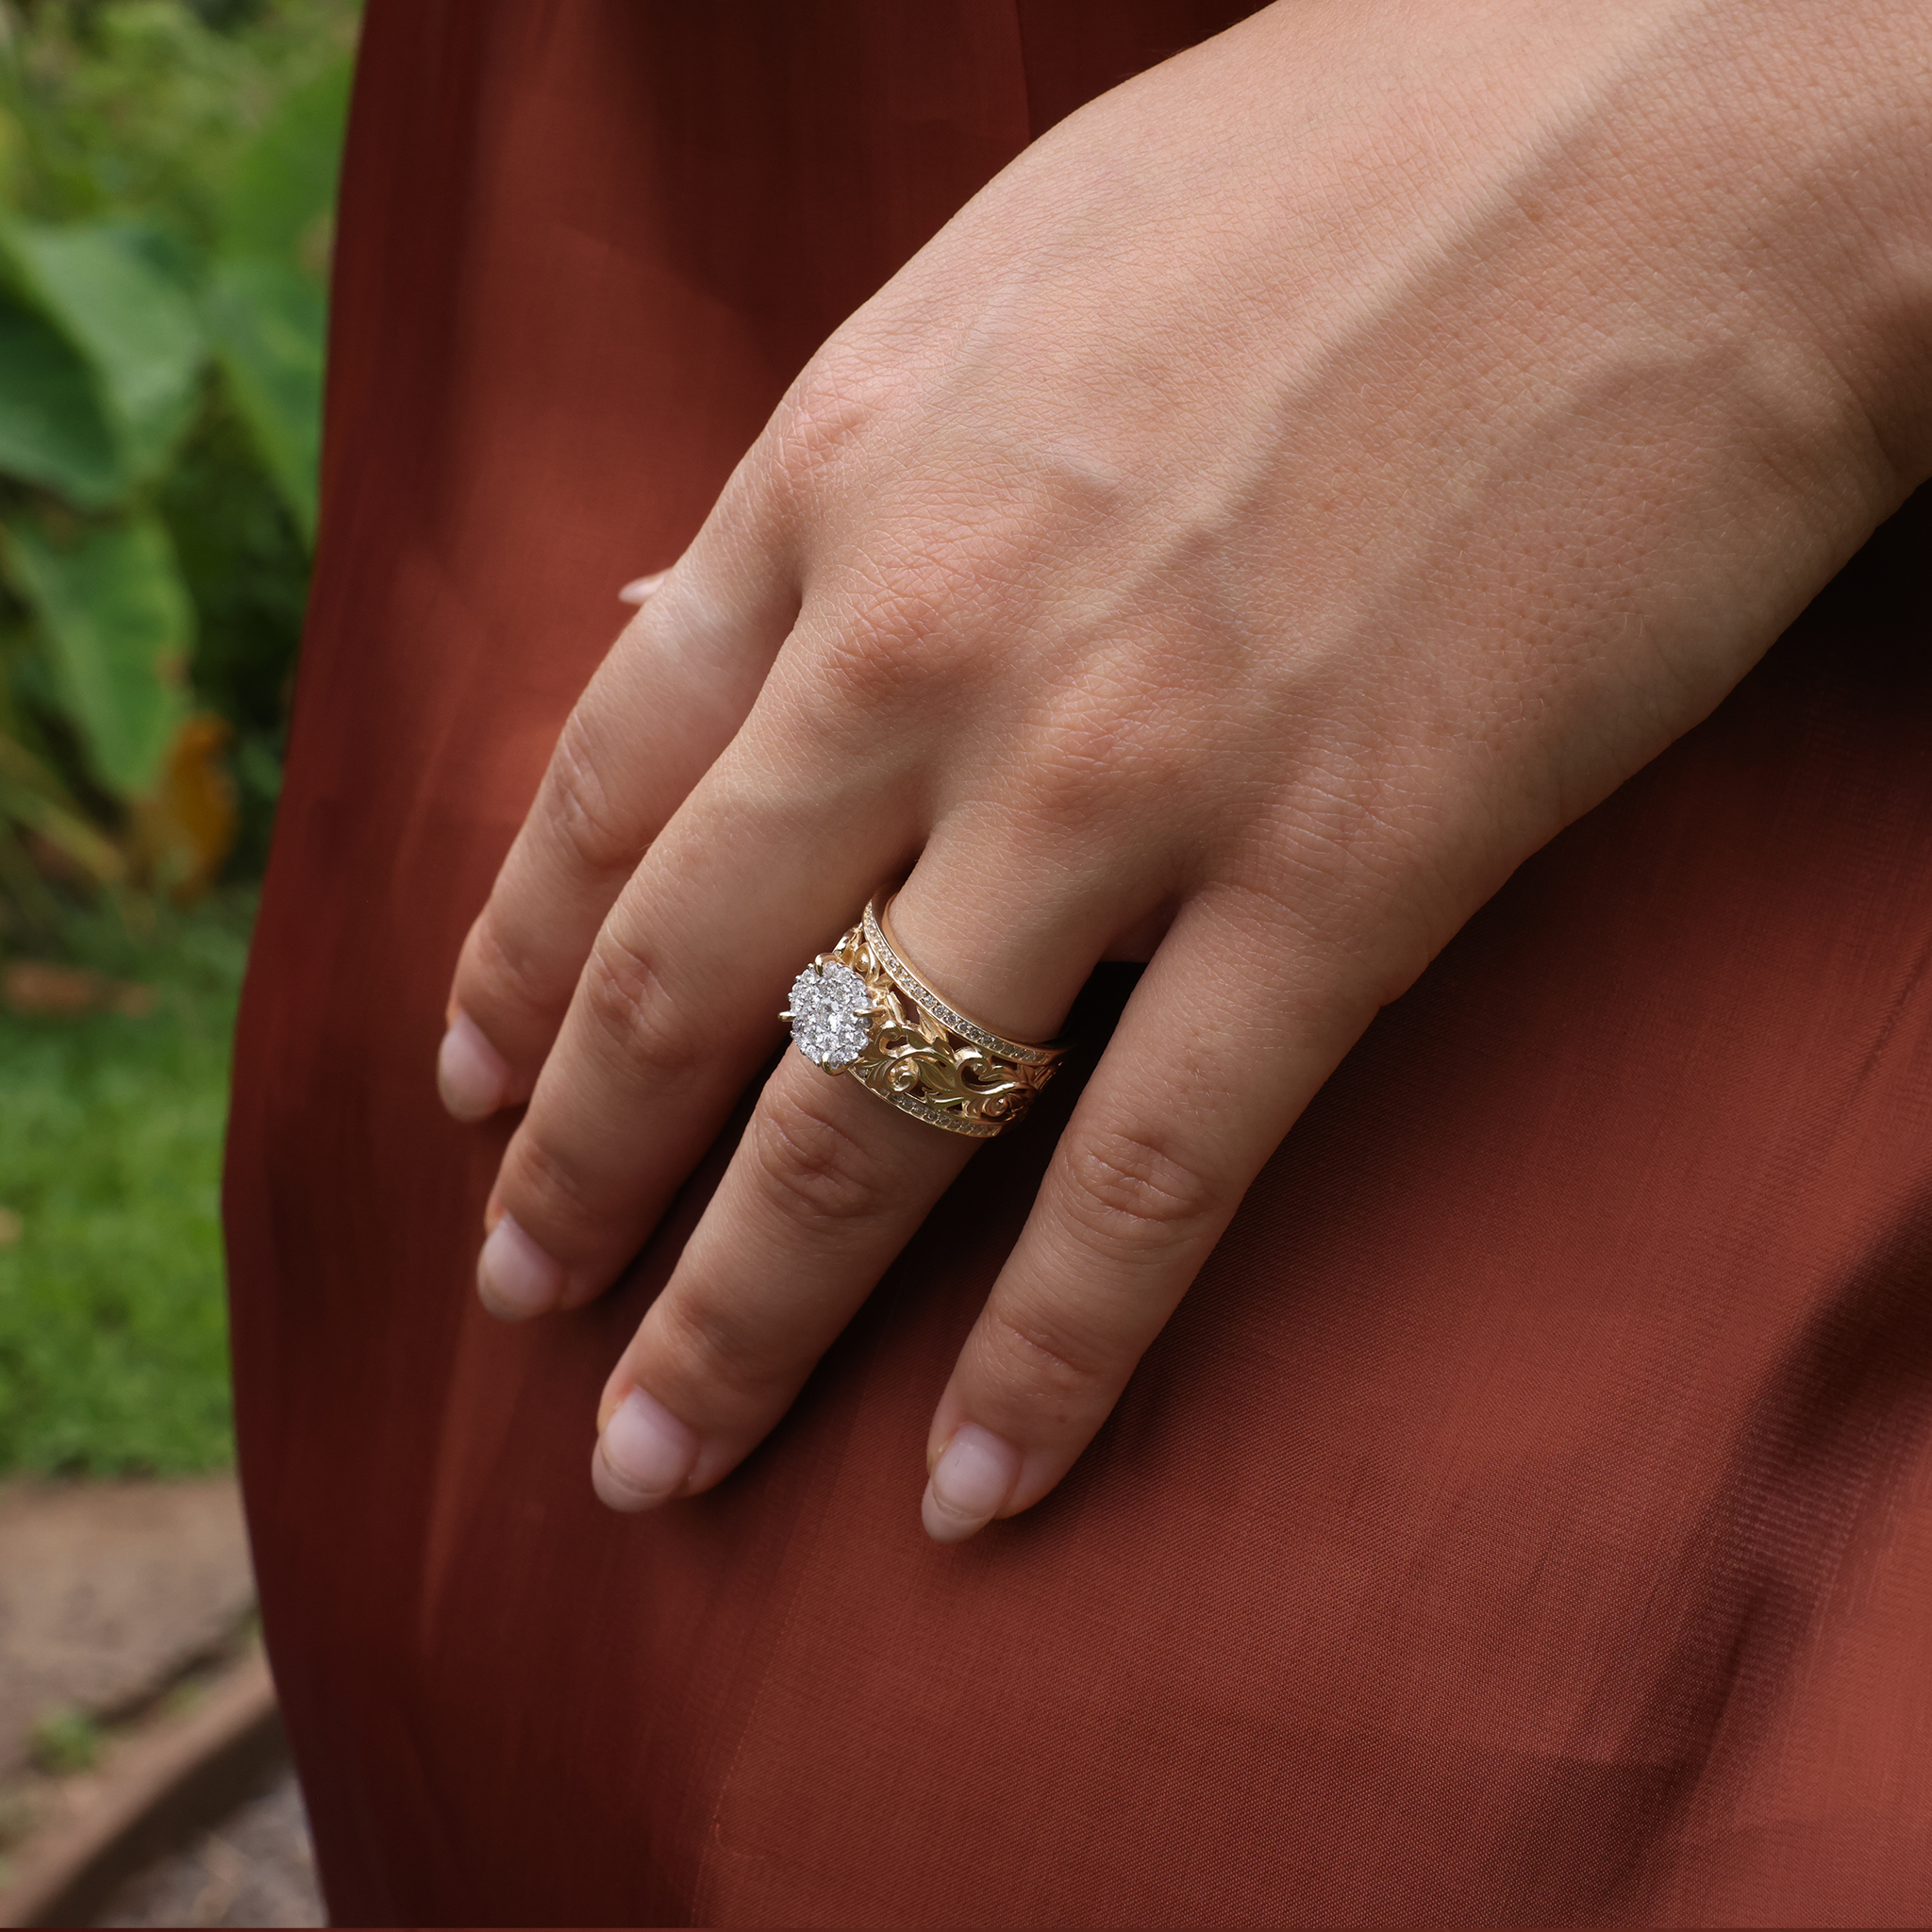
116, 1600
109, 1591
256, 1868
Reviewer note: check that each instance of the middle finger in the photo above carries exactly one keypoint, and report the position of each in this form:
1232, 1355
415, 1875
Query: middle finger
672, 1016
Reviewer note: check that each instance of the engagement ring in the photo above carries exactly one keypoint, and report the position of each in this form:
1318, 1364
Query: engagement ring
861, 1009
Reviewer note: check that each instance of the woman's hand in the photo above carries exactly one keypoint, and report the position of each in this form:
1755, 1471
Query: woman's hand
1301, 484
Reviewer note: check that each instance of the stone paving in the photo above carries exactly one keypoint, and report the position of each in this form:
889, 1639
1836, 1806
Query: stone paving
110, 1594
109, 1591
256, 1868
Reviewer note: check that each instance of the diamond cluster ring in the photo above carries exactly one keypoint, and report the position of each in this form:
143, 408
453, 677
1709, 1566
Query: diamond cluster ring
861, 1010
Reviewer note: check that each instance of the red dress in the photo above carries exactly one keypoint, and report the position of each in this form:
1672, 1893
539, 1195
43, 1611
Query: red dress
1529, 1517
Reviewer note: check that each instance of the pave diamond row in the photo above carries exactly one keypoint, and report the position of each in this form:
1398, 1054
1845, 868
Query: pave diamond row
909, 983
939, 1117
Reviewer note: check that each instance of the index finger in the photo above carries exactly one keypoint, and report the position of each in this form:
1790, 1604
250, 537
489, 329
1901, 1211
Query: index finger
677, 1006
662, 708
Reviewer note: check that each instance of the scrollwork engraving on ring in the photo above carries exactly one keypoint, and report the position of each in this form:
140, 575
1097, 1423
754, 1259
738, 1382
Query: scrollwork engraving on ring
918, 1054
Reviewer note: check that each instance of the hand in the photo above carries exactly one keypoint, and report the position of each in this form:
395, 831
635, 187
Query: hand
1302, 483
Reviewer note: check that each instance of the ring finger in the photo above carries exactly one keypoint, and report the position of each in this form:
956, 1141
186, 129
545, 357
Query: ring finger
828, 1183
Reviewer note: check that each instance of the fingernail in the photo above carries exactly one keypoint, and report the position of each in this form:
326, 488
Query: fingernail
639, 588
514, 1276
970, 1482
471, 1074
644, 1455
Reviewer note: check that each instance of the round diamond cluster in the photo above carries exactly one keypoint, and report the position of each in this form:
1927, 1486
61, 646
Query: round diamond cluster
827, 1015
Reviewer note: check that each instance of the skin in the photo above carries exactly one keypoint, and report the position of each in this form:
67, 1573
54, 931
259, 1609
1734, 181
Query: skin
1301, 484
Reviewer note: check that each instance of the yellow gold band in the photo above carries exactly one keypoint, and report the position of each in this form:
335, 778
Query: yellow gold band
861, 1009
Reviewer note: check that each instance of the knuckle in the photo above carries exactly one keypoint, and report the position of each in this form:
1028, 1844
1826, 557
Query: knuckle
1087, 764
1069, 780
628, 1001
1352, 822
909, 609
856, 683
836, 399
506, 970
579, 808
1132, 1195
1059, 1371
713, 1346
865, 664
547, 1196
817, 1170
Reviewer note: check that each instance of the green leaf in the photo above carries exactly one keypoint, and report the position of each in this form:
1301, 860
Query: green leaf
118, 628
52, 430
99, 286
32, 796
270, 323
287, 177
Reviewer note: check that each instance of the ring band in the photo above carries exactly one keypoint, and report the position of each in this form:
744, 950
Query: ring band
861, 1009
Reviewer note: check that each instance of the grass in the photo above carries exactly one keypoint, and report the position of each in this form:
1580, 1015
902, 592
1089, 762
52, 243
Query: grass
113, 1331
64, 1742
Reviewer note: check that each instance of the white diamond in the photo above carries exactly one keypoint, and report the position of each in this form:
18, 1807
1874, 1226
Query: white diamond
827, 1015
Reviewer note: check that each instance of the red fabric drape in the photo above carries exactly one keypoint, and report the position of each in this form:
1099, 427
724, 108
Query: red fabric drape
1525, 1520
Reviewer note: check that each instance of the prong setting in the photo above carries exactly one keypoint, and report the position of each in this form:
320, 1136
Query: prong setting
831, 1014
861, 1010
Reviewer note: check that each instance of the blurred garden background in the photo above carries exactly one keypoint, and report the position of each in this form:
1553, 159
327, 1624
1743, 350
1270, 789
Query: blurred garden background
167, 179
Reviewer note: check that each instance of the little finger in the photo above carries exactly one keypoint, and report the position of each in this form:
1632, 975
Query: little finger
1214, 1058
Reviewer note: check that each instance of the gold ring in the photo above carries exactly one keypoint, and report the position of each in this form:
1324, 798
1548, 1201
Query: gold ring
861, 1009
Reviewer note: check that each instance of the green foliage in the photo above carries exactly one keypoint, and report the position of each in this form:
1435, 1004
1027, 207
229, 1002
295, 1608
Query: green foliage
268, 320
167, 174
116, 626
33, 797
113, 1353
101, 288
284, 182
167, 180
64, 1742
144, 107
52, 431
247, 569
